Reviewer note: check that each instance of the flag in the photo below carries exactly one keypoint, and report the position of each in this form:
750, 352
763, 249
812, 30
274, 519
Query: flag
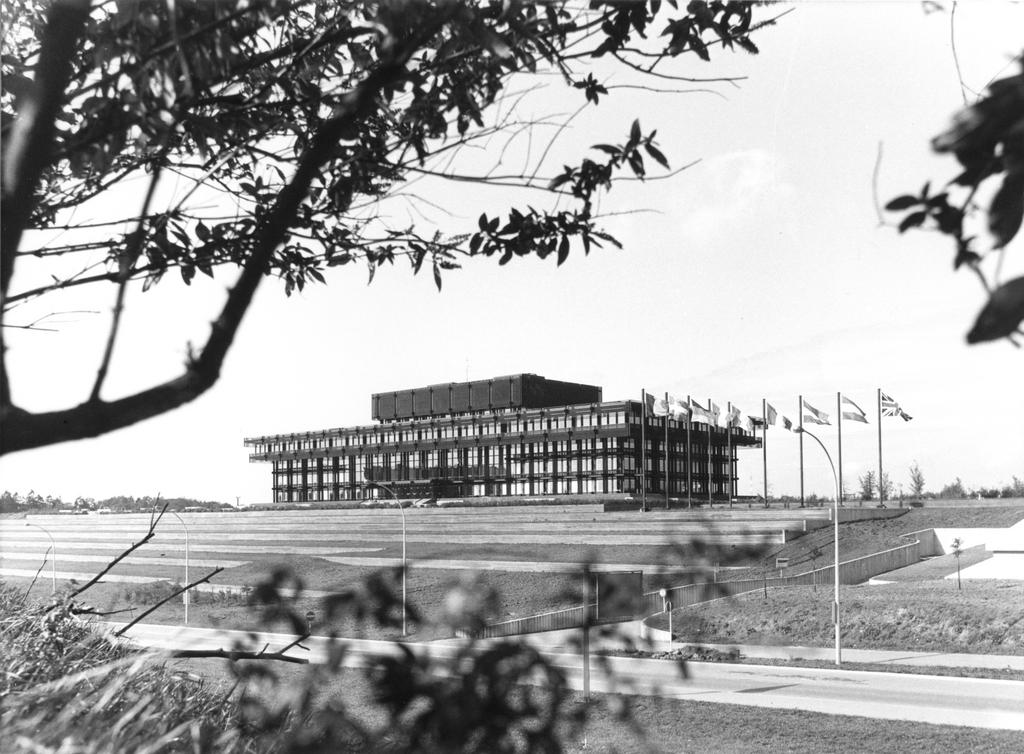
677, 409
649, 403
748, 424
715, 412
733, 419
816, 416
787, 424
660, 407
771, 413
891, 408
700, 414
857, 415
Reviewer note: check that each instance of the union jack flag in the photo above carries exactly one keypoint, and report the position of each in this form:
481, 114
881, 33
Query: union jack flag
891, 408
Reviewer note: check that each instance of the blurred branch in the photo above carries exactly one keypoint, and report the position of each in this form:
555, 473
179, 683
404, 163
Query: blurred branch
165, 600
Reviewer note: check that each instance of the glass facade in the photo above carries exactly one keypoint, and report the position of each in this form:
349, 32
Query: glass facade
588, 449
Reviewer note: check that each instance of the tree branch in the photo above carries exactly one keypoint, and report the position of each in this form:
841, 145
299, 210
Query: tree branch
24, 430
30, 144
127, 263
31, 140
165, 600
135, 546
233, 654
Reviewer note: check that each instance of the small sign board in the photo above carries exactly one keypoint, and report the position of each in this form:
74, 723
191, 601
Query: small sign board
620, 595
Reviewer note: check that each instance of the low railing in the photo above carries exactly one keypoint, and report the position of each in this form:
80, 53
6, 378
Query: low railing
852, 571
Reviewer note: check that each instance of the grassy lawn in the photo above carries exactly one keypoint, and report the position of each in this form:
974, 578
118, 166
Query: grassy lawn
985, 617
624, 723
938, 567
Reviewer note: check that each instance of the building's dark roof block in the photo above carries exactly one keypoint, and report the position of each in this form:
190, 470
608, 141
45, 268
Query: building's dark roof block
510, 391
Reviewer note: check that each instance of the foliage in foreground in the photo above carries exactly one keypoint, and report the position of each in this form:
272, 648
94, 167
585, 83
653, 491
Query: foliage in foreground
987, 139
297, 131
67, 686
63, 686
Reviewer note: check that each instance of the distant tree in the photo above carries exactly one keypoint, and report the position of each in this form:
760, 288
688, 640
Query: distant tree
916, 481
953, 491
303, 125
1014, 489
985, 138
867, 485
957, 547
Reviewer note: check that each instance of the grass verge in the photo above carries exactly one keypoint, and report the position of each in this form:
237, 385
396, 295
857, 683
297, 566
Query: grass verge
929, 616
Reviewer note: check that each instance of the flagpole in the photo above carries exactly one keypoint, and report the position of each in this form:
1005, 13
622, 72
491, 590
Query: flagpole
839, 420
689, 421
643, 450
665, 454
800, 418
728, 451
711, 502
764, 446
881, 490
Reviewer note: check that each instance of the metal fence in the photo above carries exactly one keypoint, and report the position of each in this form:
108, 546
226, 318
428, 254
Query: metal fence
852, 571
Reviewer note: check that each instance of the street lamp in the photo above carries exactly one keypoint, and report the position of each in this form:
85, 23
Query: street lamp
402, 511
53, 562
835, 537
185, 595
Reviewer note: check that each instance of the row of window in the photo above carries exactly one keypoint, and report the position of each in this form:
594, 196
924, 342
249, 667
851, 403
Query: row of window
429, 430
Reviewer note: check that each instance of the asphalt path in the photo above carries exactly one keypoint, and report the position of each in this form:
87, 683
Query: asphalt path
971, 702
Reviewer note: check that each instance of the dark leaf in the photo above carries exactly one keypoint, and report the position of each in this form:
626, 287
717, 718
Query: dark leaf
654, 152
1007, 209
1002, 315
563, 250
902, 202
913, 220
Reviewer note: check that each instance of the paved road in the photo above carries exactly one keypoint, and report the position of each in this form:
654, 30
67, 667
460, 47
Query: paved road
931, 699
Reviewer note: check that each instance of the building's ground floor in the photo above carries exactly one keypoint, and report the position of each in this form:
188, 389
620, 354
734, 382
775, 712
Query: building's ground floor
583, 467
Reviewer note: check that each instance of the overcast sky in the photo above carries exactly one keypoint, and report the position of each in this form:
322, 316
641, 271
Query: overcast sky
761, 272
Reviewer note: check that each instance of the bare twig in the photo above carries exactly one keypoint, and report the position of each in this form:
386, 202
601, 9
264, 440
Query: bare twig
956, 58
39, 571
126, 264
874, 185
149, 535
228, 654
165, 600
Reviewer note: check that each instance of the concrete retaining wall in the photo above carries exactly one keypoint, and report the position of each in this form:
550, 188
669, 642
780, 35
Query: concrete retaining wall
848, 513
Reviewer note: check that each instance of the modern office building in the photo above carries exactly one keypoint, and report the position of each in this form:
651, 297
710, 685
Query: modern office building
516, 435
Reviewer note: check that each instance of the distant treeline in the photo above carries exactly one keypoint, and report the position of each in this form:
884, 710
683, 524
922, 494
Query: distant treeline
11, 502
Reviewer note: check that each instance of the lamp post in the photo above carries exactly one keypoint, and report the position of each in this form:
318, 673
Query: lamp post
835, 537
184, 596
53, 562
402, 511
